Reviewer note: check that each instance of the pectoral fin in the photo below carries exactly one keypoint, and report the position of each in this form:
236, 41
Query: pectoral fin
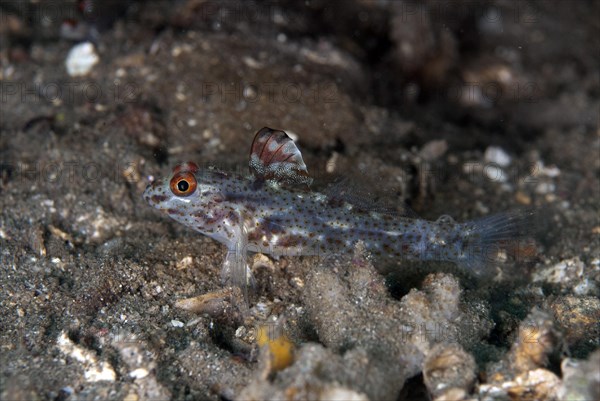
235, 270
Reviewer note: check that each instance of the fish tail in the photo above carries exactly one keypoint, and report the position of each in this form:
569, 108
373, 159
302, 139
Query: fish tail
484, 238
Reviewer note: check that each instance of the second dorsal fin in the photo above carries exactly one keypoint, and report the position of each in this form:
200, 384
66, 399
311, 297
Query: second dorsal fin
275, 156
347, 190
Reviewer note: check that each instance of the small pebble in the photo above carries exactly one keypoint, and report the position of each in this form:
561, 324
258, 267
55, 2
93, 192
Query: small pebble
522, 198
434, 149
296, 282
81, 59
139, 373
185, 263
131, 397
497, 155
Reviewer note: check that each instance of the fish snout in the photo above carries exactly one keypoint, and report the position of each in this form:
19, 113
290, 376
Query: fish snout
154, 194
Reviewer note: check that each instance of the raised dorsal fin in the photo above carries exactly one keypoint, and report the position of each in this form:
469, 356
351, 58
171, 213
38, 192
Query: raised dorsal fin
274, 156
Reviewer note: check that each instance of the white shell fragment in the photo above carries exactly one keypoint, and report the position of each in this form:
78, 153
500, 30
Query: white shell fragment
139, 373
497, 155
95, 370
82, 57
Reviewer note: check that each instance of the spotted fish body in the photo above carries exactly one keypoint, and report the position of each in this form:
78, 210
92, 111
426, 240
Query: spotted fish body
273, 212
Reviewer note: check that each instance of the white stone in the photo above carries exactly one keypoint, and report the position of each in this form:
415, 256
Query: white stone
497, 155
139, 373
81, 59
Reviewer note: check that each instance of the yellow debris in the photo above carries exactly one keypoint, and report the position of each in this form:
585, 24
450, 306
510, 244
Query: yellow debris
280, 348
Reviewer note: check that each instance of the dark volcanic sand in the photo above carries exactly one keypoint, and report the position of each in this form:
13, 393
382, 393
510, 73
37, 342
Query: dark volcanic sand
408, 100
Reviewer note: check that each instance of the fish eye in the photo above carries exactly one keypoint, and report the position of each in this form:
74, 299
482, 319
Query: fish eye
183, 184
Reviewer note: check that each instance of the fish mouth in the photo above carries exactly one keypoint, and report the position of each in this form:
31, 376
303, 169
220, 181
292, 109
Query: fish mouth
146, 194
150, 193
155, 195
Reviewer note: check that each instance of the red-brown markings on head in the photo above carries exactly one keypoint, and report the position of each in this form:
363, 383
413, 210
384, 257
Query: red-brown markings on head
208, 220
186, 167
158, 198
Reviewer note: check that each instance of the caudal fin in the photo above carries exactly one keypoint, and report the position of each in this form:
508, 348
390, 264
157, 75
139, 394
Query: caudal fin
484, 239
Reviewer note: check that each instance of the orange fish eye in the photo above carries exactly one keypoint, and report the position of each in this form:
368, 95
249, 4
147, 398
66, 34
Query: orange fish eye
183, 184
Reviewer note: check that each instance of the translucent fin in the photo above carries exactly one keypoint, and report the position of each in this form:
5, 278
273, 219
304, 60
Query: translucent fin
274, 156
235, 271
347, 190
483, 239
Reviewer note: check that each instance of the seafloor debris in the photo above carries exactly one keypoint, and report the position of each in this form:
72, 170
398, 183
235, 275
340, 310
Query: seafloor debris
570, 276
369, 85
276, 348
141, 367
428, 331
220, 304
81, 59
522, 374
94, 370
581, 379
97, 225
578, 319
497, 155
362, 327
449, 372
